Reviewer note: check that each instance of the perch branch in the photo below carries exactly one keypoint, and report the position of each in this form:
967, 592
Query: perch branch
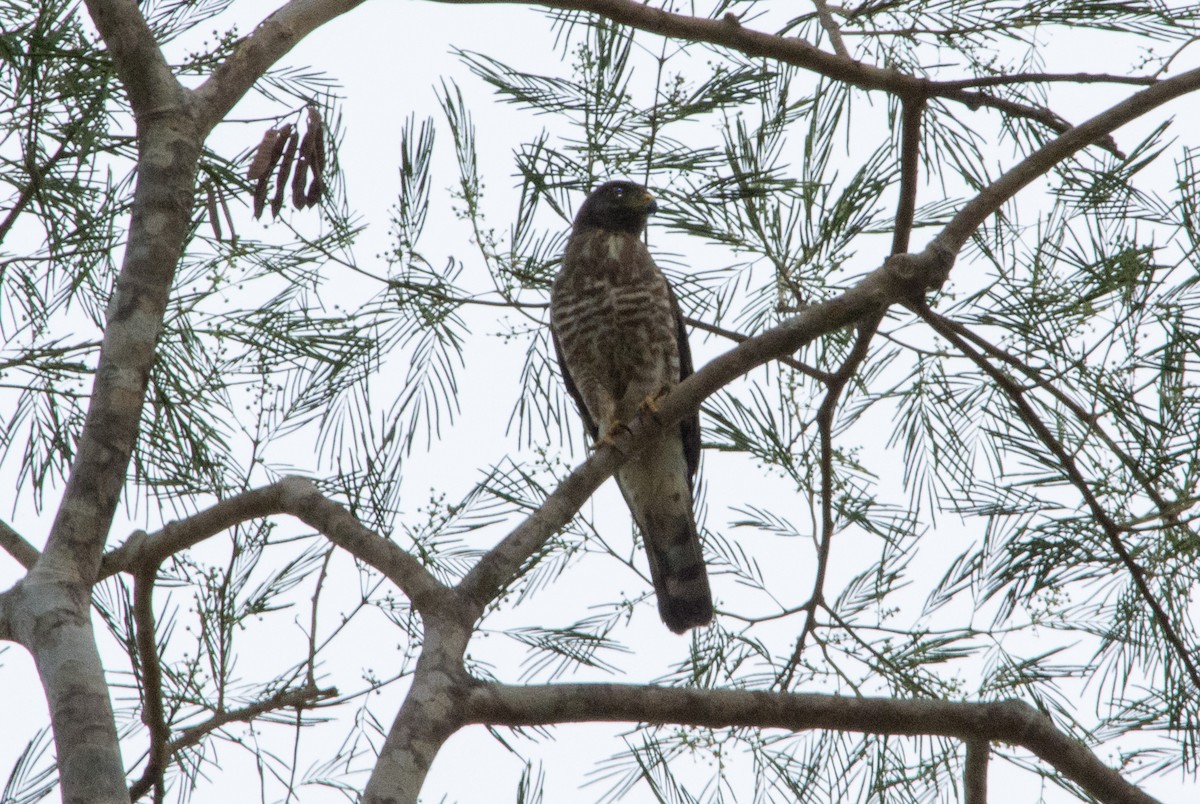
1011, 721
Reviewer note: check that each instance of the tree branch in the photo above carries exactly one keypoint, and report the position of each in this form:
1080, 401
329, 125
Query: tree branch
825, 421
728, 32
278, 33
911, 117
831, 28
153, 712
141, 66
284, 699
975, 772
1010, 721
298, 497
16, 546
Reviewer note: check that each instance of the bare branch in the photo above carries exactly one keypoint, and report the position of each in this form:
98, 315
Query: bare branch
831, 28
150, 677
825, 422
912, 115
1042, 78
300, 498
975, 772
16, 546
1013, 722
298, 698
143, 551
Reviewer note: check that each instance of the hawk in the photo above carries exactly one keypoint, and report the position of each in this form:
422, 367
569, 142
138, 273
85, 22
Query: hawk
620, 341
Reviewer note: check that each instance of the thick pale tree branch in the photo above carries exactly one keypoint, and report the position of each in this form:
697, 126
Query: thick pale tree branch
432, 710
271, 40
49, 610
295, 496
141, 66
1012, 721
142, 551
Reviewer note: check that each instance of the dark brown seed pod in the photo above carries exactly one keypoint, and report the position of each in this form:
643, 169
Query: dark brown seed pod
317, 127
299, 179
285, 171
228, 217
214, 219
260, 164
260, 195
316, 188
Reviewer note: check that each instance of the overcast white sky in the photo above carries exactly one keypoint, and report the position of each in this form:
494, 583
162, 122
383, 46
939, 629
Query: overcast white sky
388, 58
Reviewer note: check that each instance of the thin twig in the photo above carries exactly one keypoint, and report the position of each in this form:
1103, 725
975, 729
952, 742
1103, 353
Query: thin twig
1043, 78
301, 697
831, 28
825, 422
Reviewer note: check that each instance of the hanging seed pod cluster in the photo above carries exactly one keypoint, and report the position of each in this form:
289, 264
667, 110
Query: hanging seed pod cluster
292, 160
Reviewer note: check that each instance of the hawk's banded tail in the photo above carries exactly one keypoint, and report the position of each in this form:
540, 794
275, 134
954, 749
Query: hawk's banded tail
655, 485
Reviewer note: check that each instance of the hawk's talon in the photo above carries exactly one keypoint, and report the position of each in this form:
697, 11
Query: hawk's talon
650, 404
610, 431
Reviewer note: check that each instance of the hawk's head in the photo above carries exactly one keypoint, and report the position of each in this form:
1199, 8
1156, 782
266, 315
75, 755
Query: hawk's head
619, 206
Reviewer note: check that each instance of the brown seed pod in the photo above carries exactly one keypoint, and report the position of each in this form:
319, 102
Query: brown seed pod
316, 188
299, 179
260, 195
228, 218
260, 164
285, 171
277, 142
317, 127
214, 220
